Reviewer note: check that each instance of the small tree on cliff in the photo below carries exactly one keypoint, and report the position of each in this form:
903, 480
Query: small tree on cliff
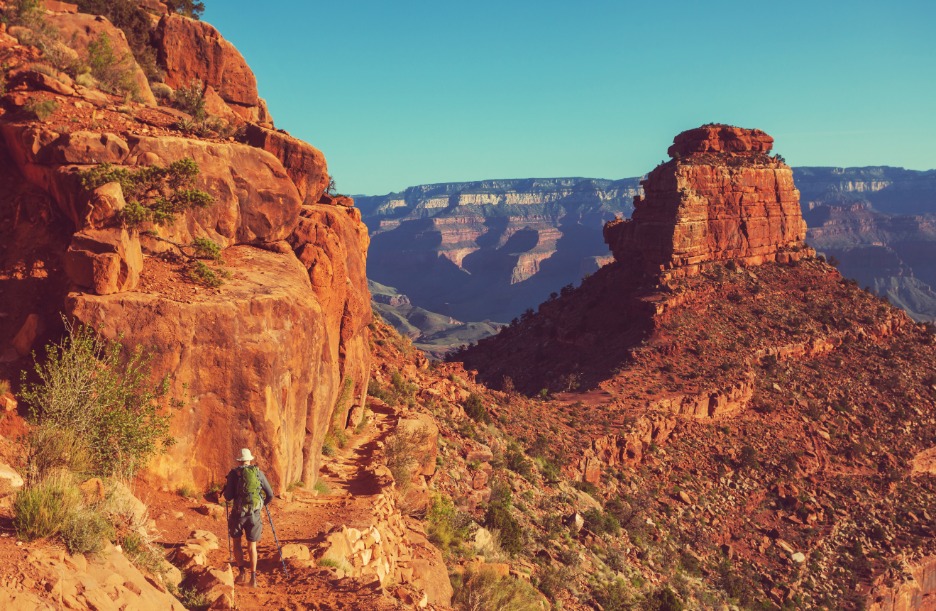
102, 400
189, 8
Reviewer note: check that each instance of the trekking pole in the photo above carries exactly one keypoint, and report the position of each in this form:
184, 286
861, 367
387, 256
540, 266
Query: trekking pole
280, 549
227, 529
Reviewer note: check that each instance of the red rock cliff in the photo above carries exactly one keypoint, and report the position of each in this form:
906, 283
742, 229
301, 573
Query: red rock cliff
721, 197
272, 358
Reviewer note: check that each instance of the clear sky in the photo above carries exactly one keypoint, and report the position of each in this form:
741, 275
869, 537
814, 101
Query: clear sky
406, 92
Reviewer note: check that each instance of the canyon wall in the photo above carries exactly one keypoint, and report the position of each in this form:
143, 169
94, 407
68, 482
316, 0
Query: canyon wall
270, 357
488, 250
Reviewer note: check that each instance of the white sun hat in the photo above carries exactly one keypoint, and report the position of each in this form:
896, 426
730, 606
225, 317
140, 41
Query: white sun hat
245, 455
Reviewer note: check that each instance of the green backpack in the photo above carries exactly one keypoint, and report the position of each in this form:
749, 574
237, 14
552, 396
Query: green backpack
248, 498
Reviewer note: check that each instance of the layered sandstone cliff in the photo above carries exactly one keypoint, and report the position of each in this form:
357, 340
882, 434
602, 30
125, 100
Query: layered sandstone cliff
720, 198
271, 357
490, 249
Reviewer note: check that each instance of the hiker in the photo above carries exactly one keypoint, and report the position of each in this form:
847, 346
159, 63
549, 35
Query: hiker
248, 487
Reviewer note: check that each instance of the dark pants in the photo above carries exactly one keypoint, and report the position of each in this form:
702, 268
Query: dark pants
250, 524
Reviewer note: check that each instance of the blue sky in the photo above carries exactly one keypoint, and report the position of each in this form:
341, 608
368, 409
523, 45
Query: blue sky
414, 91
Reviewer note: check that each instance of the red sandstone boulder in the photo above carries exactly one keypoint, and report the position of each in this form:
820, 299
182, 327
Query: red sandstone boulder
105, 261
193, 50
304, 163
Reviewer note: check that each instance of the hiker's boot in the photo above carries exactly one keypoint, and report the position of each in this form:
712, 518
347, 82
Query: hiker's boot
241, 576
253, 580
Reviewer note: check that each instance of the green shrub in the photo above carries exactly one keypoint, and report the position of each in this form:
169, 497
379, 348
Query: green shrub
89, 387
191, 99
498, 517
448, 528
617, 595
474, 407
41, 109
403, 453
153, 193
200, 273
50, 448
207, 249
41, 510
135, 24
321, 487
114, 74
485, 589
189, 8
601, 522
85, 531
163, 92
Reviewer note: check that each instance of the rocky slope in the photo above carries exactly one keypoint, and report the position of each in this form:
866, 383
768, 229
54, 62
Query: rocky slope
263, 358
761, 419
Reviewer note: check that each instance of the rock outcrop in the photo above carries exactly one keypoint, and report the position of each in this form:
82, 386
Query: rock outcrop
260, 361
194, 51
720, 198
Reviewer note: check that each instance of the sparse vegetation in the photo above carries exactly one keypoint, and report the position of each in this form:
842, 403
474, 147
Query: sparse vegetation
402, 451
484, 589
41, 109
114, 74
101, 395
155, 193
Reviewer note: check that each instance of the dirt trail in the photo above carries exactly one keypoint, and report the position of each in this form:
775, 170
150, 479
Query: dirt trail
305, 519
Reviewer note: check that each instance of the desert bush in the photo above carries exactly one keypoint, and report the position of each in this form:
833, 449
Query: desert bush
41, 109
189, 8
517, 461
200, 273
484, 589
474, 408
498, 517
447, 528
617, 595
89, 388
191, 99
114, 74
602, 522
402, 452
28, 13
135, 24
153, 193
40, 510
50, 448
163, 92
85, 530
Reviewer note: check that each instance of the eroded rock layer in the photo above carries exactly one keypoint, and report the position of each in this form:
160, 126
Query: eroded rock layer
720, 198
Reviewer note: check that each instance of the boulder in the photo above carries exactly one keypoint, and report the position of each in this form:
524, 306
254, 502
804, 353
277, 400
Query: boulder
104, 205
304, 163
88, 148
105, 261
194, 51
26, 336
252, 360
